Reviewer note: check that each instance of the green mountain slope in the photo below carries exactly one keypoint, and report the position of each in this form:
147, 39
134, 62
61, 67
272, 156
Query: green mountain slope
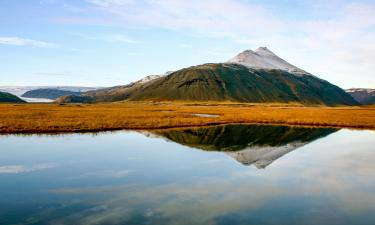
9, 98
235, 82
227, 82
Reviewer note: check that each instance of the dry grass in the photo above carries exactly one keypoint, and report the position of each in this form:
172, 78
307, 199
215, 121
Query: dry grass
44, 118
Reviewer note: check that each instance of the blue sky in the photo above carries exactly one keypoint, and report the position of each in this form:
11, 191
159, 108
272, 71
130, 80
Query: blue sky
112, 42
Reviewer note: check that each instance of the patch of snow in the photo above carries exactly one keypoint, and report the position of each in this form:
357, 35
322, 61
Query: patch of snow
263, 58
148, 78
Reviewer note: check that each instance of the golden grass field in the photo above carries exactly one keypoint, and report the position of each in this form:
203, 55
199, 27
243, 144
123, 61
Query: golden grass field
54, 118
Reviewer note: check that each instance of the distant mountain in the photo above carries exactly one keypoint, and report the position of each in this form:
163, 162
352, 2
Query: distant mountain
48, 93
363, 95
21, 90
249, 144
9, 98
258, 76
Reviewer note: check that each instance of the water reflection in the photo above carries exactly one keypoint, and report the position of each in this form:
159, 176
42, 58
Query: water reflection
248, 144
127, 178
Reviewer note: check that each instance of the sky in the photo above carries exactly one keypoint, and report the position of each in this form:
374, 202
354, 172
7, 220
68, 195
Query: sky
113, 42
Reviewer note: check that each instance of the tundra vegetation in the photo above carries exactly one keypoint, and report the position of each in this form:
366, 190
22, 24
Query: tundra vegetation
55, 118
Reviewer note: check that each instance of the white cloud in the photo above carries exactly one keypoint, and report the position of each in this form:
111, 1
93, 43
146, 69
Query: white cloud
105, 174
345, 44
112, 37
16, 169
210, 17
335, 39
17, 41
332, 39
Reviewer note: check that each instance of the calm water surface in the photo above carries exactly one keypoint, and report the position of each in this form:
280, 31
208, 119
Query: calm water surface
234, 174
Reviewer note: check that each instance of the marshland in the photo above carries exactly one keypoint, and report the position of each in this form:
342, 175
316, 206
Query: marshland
50, 118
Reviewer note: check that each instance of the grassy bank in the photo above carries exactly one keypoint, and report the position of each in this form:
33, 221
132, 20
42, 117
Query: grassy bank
46, 118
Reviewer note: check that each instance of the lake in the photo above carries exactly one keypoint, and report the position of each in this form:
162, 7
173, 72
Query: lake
230, 174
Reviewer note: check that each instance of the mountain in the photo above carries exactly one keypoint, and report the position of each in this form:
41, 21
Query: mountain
249, 144
20, 90
258, 76
363, 95
48, 93
9, 98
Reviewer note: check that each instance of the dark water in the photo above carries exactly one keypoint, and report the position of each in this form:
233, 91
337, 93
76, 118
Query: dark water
236, 174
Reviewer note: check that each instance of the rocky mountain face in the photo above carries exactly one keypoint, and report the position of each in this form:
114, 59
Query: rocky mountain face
252, 76
9, 98
363, 95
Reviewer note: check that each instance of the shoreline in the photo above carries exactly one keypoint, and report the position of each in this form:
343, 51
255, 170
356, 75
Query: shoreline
81, 118
94, 131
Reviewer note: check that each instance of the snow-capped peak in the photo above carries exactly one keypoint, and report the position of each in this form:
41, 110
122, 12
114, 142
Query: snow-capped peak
264, 51
151, 77
263, 58
148, 78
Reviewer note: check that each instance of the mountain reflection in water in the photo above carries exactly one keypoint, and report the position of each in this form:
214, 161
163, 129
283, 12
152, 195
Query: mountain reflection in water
124, 177
248, 144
